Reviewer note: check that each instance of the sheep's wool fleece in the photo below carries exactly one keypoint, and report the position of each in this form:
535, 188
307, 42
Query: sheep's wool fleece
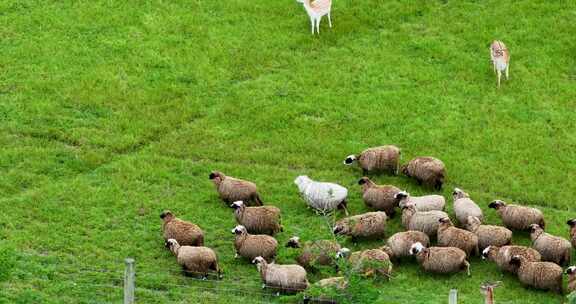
320, 195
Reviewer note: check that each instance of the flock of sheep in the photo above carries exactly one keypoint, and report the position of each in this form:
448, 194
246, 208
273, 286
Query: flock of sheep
422, 217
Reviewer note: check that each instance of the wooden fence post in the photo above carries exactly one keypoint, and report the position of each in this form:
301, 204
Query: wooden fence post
453, 297
129, 278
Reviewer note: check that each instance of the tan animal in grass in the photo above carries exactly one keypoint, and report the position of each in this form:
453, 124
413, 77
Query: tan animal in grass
316, 10
500, 58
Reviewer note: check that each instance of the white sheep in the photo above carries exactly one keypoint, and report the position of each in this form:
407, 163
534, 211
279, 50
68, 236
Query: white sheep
322, 196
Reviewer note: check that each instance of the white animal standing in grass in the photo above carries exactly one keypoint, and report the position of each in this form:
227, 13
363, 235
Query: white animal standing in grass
500, 58
322, 196
316, 10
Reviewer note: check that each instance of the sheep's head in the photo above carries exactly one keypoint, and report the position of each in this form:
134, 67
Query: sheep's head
571, 222
416, 248
408, 208
170, 243
489, 251
404, 170
401, 195
301, 180
363, 180
343, 253
497, 204
349, 159
535, 230
216, 176
239, 230
167, 215
293, 242
571, 270
458, 193
340, 228
445, 221
473, 223
259, 261
237, 205
388, 250
516, 260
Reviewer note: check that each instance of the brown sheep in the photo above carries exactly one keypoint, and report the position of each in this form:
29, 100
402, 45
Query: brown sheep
368, 262
287, 278
194, 260
366, 225
185, 233
502, 255
251, 246
571, 272
233, 189
465, 207
429, 171
425, 221
517, 217
379, 197
384, 159
489, 234
440, 259
540, 275
320, 252
450, 236
258, 220
398, 245
572, 224
552, 248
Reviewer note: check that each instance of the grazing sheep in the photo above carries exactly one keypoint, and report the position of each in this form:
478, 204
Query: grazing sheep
322, 196
450, 236
571, 272
258, 220
378, 159
429, 171
368, 262
398, 245
337, 284
502, 255
489, 234
233, 189
252, 245
552, 248
426, 221
517, 217
440, 259
320, 252
366, 225
540, 275
572, 224
378, 197
194, 260
465, 207
421, 203
185, 233
287, 278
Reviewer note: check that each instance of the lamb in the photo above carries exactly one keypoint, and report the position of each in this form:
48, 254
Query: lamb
489, 234
421, 203
378, 159
316, 10
185, 233
502, 256
252, 245
500, 57
426, 170
233, 189
440, 259
465, 207
318, 252
572, 224
552, 248
324, 197
287, 278
194, 260
426, 221
368, 262
398, 245
540, 275
450, 236
258, 220
378, 197
571, 272
366, 225
517, 217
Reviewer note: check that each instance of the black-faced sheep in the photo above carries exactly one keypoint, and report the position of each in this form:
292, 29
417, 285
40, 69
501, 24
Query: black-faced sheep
571, 272
502, 255
426, 221
517, 217
322, 196
440, 259
252, 245
429, 171
489, 234
540, 275
378, 159
233, 189
286, 278
572, 224
185, 233
421, 203
552, 248
320, 252
194, 260
399, 244
450, 236
258, 220
379, 197
366, 225
465, 207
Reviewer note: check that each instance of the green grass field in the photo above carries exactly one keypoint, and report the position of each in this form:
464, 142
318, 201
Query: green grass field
112, 111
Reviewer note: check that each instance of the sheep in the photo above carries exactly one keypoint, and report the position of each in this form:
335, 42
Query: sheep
489, 234
336, 284
429, 171
552, 248
500, 57
426, 221
322, 196
378, 197
366, 225
450, 236
252, 245
185, 233
572, 224
421, 203
571, 272
502, 255
377, 159
440, 259
398, 245
194, 260
258, 220
465, 207
368, 262
540, 275
316, 10
318, 252
287, 278
233, 189
518, 217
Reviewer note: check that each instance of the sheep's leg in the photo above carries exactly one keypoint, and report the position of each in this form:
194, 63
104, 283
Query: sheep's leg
467, 265
318, 24
312, 23
236, 255
329, 20
507, 66
499, 76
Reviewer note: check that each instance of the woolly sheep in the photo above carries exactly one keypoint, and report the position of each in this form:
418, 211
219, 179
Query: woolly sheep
465, 207
572, 224
322, 196
287, 278
398, 245
502, 255
366, 225
383, 159
489, 234
252, 245
379, 197
185, 233
233, 189
440, 259
336, 284
194, 260
540, 275
552, 248
571, 272
517, 217
258, 220
368, 262
450, 236
426, 221
429, 171
320, 252
421, 203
